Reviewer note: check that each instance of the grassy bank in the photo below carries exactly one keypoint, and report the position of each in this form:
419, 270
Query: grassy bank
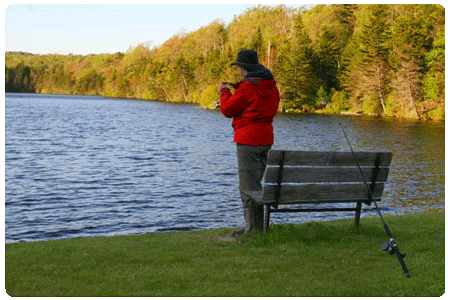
311, 259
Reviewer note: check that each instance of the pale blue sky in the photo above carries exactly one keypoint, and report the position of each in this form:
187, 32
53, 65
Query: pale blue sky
106, 28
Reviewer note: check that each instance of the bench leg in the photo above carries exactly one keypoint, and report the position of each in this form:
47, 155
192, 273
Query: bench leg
267, 218
357, 214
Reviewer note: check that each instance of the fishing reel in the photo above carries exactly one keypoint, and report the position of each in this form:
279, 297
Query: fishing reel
387, 246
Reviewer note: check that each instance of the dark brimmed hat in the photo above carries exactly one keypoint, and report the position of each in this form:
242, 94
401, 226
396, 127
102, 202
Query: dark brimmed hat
248, 59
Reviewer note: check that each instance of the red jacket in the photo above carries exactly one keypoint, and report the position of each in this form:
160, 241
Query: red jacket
253, 106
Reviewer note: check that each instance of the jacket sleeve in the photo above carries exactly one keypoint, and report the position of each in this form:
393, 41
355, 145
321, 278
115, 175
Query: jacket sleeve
233, 105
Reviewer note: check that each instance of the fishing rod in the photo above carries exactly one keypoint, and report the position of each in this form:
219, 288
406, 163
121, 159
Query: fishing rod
389, 246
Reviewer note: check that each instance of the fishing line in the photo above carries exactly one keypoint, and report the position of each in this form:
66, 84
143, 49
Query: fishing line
390, 245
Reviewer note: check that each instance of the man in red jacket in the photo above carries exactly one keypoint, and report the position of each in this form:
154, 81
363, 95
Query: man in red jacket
253, 106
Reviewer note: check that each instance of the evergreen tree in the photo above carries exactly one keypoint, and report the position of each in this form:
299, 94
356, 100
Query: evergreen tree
295, 67
327, 58
257, 40
434, 80
351, 75
370, 65
412, 40
9, 78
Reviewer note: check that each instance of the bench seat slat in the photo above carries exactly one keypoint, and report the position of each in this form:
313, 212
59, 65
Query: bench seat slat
317, 158
258, 195
324, 174
321, 192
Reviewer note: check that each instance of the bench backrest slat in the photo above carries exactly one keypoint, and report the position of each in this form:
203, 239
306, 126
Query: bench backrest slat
324, 174
322, 192
328, 159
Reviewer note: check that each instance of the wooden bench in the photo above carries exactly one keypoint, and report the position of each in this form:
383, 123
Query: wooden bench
309, 177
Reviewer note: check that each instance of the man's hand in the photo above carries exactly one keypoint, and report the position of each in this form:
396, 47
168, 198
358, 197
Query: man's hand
223, 85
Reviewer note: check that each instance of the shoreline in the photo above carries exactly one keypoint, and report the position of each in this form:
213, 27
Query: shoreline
214, 106
214, 229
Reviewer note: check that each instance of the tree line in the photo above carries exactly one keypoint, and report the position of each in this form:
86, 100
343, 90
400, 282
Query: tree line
373, 59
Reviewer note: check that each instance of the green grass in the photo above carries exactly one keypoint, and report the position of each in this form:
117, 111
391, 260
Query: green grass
312, 259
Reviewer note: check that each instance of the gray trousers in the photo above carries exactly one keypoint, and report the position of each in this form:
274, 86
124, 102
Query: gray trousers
251, 165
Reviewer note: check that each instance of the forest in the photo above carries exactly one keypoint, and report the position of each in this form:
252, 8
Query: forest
372, 59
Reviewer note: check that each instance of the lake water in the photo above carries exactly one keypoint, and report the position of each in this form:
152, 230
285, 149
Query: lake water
78, 166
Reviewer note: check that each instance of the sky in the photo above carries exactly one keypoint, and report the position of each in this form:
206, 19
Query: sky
106, 28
